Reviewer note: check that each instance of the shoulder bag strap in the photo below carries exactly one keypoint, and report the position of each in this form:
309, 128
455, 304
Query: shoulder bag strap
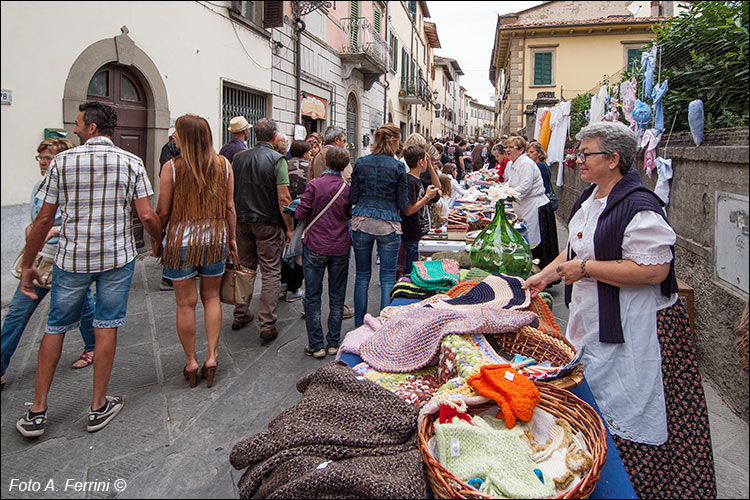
309, 224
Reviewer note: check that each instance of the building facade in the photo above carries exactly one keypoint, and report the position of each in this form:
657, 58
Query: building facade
566, 48
447, 73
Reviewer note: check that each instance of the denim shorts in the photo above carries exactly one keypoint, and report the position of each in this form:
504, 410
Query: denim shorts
205, 269
68, 294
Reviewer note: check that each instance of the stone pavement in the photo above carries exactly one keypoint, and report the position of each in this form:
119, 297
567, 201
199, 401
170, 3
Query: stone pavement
172, 441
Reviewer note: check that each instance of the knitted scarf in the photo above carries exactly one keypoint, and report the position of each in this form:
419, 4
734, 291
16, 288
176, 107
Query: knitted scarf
345, 438
440, 275
203, 212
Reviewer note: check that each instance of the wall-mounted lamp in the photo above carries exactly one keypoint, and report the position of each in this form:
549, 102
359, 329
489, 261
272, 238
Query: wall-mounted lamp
435, 94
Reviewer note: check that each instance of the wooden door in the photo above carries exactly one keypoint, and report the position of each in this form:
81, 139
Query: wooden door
119, 87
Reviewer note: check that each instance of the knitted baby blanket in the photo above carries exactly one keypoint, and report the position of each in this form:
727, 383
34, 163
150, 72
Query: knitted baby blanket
409, 342
345, 438
440, 275
498, 456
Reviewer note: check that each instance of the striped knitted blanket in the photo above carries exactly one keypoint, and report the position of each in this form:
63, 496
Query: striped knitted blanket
440, 275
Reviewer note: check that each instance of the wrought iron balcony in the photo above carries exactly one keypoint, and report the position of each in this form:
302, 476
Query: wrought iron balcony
415, 91
364, 49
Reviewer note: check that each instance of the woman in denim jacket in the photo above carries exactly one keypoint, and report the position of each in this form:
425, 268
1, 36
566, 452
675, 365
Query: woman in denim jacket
379, 193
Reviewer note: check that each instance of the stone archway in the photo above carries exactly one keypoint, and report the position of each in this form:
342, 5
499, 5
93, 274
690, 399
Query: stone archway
122, 49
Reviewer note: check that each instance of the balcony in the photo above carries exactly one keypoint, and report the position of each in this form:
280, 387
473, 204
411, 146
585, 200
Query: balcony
415, 92
364, 50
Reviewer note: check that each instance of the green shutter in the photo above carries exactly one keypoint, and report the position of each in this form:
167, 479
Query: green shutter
404, 69
354, 30
376, 20
395, 53
543, 68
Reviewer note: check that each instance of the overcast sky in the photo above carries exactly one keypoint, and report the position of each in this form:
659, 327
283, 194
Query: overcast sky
467, 32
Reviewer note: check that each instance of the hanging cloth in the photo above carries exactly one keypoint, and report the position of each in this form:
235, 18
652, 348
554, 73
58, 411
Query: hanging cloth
695, 118
650, 140
540, 113
545, 131
627, 93
657, 95
641, 117
648, 63
559, 123
598, 102
664, 172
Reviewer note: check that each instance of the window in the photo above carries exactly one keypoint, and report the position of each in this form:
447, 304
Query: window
99, 84
633, 54
543, 67
259, 14
237, 101
413, 10
128, 90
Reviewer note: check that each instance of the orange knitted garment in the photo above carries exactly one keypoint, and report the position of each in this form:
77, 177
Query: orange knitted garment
518, 396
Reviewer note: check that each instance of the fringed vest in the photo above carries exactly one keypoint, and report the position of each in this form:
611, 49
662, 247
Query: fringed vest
201, 212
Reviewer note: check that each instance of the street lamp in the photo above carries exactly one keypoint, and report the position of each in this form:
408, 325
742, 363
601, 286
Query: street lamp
435, 94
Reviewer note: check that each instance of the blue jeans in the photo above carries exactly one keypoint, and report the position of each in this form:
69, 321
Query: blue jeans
205, 269
314, 266
411, 254
70, 289
388, 252
21, 310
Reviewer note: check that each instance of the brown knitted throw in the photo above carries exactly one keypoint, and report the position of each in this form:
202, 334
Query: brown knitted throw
368, 434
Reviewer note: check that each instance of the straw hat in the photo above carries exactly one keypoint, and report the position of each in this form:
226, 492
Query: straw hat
238, 124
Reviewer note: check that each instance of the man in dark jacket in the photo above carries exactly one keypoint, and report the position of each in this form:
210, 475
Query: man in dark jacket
261, 180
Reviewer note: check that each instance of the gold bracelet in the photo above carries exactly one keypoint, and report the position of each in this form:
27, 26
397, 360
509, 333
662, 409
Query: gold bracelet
583, 268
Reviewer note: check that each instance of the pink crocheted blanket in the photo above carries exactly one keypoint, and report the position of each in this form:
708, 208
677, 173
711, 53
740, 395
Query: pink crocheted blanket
412, 341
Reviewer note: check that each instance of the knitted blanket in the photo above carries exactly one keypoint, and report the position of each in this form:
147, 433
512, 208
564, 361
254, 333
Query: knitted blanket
440, 275
353, 340
409, 290
409, 342
497, 290
345, 438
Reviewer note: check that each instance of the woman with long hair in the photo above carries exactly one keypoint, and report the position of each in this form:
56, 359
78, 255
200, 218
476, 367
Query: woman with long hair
379, 193
196, 202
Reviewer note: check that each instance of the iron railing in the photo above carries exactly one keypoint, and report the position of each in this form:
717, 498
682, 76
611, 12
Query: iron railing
416, 87
361, 38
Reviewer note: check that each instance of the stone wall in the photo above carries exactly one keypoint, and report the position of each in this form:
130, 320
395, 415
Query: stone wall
719, 164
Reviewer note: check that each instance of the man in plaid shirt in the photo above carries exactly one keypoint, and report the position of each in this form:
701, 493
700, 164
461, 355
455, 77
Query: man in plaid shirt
94, 185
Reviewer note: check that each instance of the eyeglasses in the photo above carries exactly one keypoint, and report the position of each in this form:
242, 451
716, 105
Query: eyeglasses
584, 156
513, 147
312, 141
45, 158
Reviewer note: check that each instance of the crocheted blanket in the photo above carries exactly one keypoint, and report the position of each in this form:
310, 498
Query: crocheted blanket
409, 342
440, 275
345, 438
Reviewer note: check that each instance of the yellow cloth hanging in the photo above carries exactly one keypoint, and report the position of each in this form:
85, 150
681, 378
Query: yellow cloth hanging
545, 131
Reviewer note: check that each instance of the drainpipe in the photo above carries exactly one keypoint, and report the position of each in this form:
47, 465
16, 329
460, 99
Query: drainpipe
299, 27
523, 75
387, 83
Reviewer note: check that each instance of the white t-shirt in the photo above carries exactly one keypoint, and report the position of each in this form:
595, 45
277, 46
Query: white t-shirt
625, 379
524, 176
457, 191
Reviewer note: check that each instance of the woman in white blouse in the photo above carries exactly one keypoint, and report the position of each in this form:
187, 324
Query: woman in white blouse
532, 204
639, 359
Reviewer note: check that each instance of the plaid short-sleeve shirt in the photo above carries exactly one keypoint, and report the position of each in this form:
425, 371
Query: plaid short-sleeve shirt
94, 185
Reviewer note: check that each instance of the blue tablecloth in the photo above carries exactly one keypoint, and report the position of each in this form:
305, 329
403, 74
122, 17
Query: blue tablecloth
614, 481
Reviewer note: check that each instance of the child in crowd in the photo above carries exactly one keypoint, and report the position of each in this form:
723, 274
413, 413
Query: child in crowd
415, 221
443, 203
456, 189
326, 206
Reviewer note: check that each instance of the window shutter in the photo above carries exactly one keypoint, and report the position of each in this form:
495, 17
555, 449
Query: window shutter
543, 68
376, 20
273, 14
404, 69
395, 54
354, 9
413, 9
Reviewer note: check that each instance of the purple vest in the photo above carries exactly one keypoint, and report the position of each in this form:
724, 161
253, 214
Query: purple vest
628, 197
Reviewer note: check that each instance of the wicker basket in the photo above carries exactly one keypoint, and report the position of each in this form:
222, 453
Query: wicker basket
560, 404
532, 343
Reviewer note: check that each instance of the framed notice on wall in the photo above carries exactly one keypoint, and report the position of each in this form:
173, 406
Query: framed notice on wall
731, 240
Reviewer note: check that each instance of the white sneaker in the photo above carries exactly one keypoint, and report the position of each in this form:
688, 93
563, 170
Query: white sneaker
295, 296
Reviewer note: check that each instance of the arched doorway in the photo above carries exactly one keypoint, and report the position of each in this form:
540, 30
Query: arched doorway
352, 120
120, 87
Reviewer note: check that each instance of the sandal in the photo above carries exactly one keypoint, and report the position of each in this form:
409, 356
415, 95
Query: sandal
86, 358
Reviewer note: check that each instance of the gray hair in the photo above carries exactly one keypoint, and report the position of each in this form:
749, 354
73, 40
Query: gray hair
332, 133
415, 140
498, 148
613, 137
265, 129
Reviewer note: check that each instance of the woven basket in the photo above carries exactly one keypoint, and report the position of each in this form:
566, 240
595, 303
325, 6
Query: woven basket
532, 343
557, 402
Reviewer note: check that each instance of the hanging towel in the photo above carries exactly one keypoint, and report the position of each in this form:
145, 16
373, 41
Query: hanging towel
545, 131
649, 141
657, 96
664, 172
598, 103
695, 118
627, 93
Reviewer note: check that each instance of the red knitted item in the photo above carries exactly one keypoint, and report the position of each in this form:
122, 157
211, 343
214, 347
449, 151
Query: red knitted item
447, 413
